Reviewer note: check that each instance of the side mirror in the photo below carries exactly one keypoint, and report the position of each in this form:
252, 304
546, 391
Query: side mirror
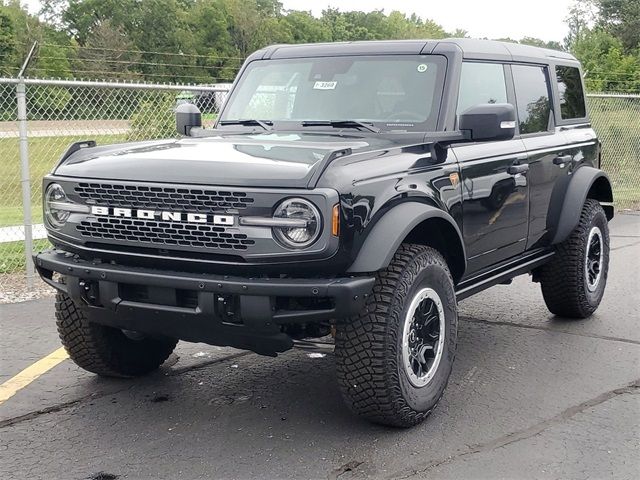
490, 121
188, 116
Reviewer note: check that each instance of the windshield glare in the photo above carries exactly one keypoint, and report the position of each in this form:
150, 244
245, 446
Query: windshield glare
400, 92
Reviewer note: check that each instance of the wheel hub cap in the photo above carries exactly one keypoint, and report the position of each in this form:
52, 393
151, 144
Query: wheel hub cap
423, 337
593, 259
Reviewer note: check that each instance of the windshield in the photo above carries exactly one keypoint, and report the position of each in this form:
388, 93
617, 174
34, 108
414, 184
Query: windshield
399, 92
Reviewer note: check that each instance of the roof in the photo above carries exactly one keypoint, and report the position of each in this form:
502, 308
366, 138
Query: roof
471, 49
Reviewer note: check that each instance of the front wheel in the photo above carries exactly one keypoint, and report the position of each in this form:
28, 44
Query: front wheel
573, 282
107, 351
394, 360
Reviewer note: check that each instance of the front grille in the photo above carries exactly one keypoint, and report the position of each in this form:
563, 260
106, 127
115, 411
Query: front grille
165, 234
161, 198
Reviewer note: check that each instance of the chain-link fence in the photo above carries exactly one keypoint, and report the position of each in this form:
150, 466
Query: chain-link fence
40, 118
616, 119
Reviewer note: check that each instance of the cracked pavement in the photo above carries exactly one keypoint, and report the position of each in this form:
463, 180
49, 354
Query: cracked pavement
531, 396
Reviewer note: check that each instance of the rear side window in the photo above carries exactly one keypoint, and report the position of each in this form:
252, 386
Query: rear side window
532, 97
481, 83
571, 95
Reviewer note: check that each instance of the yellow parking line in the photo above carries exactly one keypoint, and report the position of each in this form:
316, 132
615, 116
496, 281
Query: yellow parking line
9, 388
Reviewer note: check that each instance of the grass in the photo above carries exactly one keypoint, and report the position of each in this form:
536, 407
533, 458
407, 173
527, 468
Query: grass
615, 122
44, 153
12, 255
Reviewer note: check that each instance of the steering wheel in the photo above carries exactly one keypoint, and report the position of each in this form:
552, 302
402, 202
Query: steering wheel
406, 116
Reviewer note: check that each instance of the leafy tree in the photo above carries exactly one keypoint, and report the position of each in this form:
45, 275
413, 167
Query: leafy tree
606, 65
621, 18
217, 59
52, 61
305, 28
82, 16
108, 50
7, 43
582, 14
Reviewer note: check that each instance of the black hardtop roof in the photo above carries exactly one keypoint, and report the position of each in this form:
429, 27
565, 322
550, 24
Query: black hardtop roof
470, 48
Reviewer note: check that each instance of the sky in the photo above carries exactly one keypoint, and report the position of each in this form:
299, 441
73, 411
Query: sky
542, 19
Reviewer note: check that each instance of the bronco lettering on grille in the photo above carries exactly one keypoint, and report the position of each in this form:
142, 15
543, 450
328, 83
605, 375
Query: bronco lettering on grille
223, 220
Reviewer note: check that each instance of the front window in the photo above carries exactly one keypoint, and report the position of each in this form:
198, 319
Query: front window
394, 93
481, 83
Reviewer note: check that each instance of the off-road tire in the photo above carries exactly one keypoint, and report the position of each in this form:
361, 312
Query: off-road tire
563, 280
104, 350
370, 372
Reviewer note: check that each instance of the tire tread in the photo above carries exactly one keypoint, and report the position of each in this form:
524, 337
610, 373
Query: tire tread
368, 381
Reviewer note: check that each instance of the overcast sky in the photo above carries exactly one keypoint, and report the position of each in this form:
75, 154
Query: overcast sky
481, 18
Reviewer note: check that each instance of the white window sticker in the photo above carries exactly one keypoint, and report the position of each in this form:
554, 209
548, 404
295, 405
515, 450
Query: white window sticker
422, 68
325, 85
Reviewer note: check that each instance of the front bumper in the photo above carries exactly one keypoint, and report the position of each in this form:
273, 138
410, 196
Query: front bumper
195, 307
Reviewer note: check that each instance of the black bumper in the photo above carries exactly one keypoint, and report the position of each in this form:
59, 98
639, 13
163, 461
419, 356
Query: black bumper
190, 306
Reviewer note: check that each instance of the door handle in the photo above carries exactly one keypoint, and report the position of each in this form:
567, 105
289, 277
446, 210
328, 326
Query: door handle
563, 160
518, 168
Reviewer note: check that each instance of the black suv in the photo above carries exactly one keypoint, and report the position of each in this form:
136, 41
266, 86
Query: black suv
350, 190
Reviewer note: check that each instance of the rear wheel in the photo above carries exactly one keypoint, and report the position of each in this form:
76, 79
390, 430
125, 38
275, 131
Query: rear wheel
394, 360
573, 282
107, 351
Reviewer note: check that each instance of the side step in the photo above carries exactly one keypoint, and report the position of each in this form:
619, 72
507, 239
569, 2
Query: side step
481, 282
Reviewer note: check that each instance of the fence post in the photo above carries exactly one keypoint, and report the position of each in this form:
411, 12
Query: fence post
25, 179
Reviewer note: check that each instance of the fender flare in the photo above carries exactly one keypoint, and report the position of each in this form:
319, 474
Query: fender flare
563, 221
389, 232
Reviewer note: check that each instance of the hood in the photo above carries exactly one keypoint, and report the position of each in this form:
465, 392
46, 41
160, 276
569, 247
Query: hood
265, 160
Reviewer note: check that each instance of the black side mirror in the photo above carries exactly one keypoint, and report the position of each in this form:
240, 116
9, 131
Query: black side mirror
490, 121
188, 116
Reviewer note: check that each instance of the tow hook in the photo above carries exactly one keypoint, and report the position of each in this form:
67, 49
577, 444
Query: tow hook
88, 292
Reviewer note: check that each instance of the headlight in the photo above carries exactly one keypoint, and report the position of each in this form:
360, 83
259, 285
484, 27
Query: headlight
298, 236
55, 217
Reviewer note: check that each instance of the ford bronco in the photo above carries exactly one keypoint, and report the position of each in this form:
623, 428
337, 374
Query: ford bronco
349, 195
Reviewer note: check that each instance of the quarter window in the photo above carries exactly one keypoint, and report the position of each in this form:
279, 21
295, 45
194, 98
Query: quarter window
571, 94
481, 83
532, 96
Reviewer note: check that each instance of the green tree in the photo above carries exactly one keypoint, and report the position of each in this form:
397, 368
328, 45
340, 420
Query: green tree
621, 18
582, 14
606, 66
109, 52
82, 16
305, 28
7, 43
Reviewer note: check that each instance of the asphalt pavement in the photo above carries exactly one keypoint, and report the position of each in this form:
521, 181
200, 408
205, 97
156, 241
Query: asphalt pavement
531, 396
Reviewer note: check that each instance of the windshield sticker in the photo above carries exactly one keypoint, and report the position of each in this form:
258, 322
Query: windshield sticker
325, 85
422, 67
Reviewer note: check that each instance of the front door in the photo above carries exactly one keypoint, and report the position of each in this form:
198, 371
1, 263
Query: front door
495, 201
495, 188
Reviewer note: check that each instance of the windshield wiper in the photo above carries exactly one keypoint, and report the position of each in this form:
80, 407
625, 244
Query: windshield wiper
341, 123
266, 124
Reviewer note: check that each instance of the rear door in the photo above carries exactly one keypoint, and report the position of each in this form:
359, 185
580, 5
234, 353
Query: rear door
495, 197
548, 157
